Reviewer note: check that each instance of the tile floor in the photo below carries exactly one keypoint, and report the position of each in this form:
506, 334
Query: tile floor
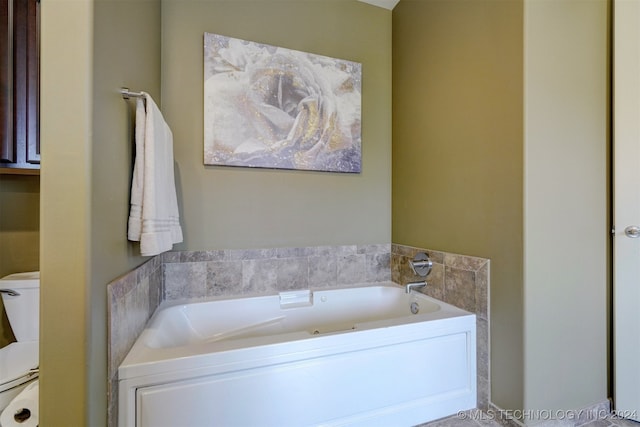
481, 419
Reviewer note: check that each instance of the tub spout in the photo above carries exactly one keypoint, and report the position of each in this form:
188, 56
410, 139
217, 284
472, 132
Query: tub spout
413, 285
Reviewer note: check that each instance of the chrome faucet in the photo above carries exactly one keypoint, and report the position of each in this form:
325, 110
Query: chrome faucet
421, 266
413, 285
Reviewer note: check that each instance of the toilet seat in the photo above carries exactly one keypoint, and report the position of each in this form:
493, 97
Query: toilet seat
18, 364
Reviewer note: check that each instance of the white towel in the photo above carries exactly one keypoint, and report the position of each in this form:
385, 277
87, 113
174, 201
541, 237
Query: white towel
154, 218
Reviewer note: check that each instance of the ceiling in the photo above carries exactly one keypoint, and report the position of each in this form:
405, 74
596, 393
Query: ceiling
387, 4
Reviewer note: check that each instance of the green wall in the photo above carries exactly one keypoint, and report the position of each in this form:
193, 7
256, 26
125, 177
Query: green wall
19, 233
126, 46
90, 49
457, 152
500, 139
65, 135
223, 207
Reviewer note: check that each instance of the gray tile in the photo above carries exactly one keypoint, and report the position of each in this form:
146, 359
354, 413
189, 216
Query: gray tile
112, 408
351, 269
171, 256
435, 282
378, 267
123, 285
460, 289
482, 347
345, 250
401, 271
482, 292
224, 278
185, 280
137, 309
155, 290
128, 316
247, 254
292, 273
435, 256
195, 256
323, 271
402, 250
463, 262
483, 392
259, 276
117, 335
144, 270
408, 251
296, 252
327, 251
395, 268
374, 249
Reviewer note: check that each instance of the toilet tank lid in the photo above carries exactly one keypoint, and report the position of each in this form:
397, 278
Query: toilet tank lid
21, 280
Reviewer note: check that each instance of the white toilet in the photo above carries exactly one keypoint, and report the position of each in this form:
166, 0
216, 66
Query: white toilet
19, 360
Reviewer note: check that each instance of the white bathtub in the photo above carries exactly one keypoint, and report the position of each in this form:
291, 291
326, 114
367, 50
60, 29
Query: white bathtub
353, 356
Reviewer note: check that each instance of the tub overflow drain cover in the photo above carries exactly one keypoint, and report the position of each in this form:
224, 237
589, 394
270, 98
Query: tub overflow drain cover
415, 308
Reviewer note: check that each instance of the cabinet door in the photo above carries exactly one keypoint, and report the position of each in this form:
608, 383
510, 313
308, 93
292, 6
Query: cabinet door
19, 71
7, 152
32, 80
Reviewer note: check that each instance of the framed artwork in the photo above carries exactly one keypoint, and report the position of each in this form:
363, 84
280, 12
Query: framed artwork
271, 107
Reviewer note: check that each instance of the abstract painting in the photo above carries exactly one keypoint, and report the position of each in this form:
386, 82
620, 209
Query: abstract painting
271, 107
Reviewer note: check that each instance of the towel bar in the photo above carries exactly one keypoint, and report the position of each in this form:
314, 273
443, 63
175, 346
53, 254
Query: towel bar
126, 93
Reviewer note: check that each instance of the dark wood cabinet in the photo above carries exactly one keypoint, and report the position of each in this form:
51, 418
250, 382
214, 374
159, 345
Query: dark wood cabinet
19, 82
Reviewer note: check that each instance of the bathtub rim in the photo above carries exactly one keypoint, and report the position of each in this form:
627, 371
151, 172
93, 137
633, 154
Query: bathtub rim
192, 309
142, 361
185, 301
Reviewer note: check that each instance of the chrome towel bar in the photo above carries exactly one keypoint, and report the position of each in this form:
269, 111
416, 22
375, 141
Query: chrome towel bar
127, 94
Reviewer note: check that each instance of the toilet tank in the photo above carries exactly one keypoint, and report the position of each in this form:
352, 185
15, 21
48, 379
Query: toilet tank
23, 310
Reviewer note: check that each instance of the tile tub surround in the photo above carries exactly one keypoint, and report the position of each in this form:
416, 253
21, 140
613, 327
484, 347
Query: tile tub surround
205, 274
132, 299
459, 280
